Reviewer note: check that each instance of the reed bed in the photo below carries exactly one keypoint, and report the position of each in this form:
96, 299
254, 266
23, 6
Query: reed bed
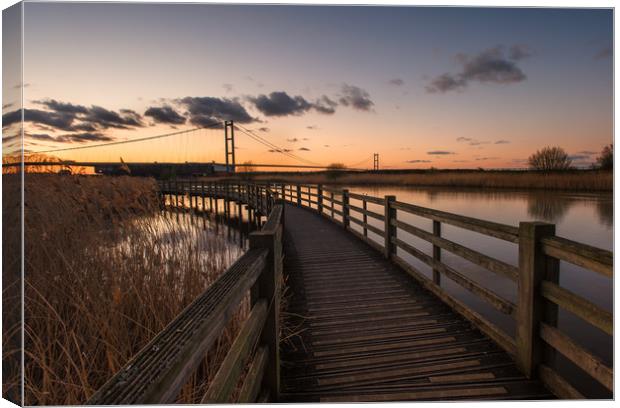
104, 272
569, 181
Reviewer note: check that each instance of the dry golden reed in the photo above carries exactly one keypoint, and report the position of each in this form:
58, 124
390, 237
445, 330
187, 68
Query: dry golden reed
103, 275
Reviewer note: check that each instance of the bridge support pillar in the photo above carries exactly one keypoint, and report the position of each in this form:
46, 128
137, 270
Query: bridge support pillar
534, 266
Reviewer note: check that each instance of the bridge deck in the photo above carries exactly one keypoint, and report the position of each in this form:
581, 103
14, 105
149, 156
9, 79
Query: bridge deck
370, 333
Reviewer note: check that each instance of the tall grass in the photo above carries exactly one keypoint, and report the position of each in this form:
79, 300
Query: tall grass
572, 180
104, 272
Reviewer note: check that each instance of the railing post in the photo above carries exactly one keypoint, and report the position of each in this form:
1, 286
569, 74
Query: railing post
319, 199
298, 195
345, 209
389, 229
530, 305
331, 196
365, 217
268, 287
283, 192
436, 252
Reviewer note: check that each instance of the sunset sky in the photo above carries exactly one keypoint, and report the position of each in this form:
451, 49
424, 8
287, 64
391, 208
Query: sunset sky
442, 87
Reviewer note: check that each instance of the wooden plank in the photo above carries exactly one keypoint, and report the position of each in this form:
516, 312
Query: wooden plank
420, 395
369, 213
586, 256
253, 380
458, 378
227, 375
578, 355
501, 338
487, 262
493, 229
557, 385
579, 306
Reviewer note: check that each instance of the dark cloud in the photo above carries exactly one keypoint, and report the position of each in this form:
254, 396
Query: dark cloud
490, 66
304, 149
165, 114
58, 120
486, 158
58, 106
502, 142
439, 152
7, 105
281, 104
606, 52
418, 161
279, 151
463, 139
208, 110
471, 141
83, 137
396, 82
293, 140
103, 118
40, 136
356, 97
325, 105
311, 127
263, 129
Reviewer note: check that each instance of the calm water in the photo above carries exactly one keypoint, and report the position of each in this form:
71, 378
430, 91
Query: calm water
586, 218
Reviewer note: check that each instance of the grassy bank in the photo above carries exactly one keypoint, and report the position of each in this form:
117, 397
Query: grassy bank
104, 274
569, 181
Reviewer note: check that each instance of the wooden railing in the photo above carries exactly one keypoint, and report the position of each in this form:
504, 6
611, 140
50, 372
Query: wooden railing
537, 275
157, 373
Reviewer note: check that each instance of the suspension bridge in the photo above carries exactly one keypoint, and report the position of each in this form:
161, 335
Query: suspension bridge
196, 148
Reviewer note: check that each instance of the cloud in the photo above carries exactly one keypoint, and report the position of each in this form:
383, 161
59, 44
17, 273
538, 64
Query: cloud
606, 52
293, 140
471, 141
263, 129
58, 120
280, 104
486, 158
325, 105
104, 118
518, 52
489, 66
84, 137
58, 106
228, 87
312, 127
39, 136
206, 110
279, 151
418, 161
502, 141
356, 97
165, 114
304, 149
439, 152
396, 82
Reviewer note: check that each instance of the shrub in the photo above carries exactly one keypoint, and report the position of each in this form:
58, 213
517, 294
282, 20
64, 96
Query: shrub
550, 158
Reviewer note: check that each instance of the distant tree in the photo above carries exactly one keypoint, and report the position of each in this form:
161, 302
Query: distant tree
550, 158
335, 170
606, 159
246, 168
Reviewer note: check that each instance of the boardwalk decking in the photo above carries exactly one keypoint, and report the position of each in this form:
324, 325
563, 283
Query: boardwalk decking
370, 333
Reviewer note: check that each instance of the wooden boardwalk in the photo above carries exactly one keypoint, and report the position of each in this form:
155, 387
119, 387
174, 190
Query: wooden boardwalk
369, 332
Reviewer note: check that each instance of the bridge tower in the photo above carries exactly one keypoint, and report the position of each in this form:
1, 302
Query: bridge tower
376, 161
229, 136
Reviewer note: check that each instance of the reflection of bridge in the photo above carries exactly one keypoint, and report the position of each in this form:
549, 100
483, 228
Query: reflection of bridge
372, 326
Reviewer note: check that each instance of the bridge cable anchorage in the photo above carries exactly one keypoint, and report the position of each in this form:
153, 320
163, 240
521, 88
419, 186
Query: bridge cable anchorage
273, 146
142, 139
